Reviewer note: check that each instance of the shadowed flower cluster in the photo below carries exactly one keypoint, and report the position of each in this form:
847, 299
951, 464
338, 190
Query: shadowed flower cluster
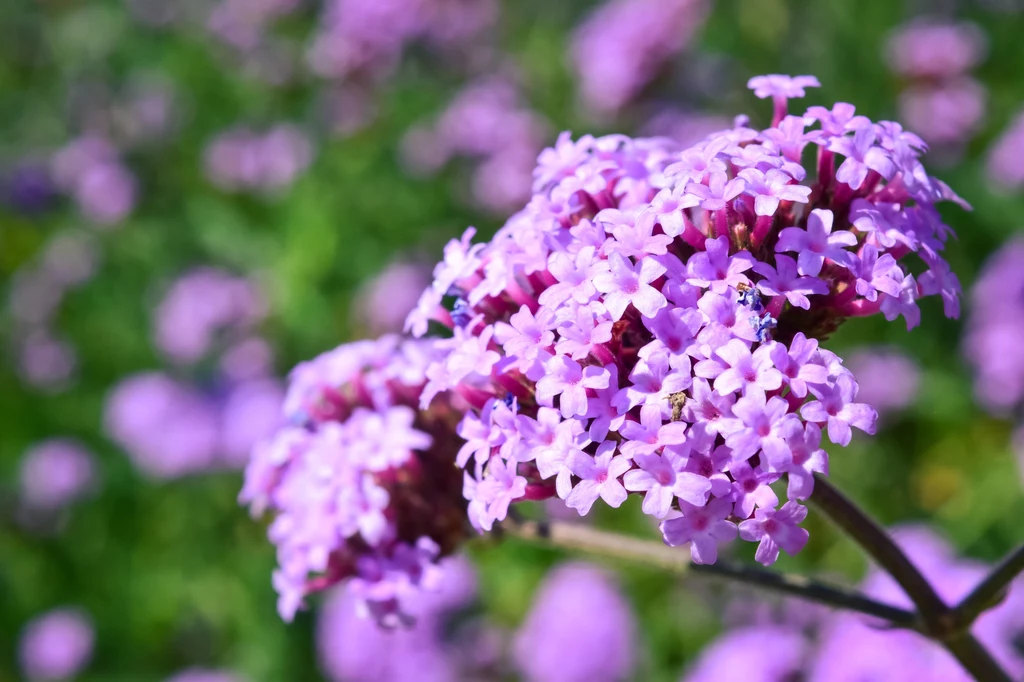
650, 322
361, 484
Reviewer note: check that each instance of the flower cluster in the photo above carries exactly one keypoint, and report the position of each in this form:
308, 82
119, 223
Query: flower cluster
1005, 162
650, 322
361, 485
56, 645
90, 170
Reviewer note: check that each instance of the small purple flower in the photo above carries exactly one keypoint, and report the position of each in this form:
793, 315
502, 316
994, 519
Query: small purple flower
527, 336
654, 380
763, 428
904, 304
718, 192
735, 368
780, 86
768, 189
650, 434
574, 276
875, 273
663, 483
816, 243
783, 280
861, 156
808, 458
835, 406
497, 491
599, 477
775, 530
626, 284
716, 269
568, 380
751, 489
56, 645
703, 527
796, 366
579, 629
55, 473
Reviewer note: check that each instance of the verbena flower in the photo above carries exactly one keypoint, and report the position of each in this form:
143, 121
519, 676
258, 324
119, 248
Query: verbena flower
580, 629
650, 321
360, 484
55, 473
56, 645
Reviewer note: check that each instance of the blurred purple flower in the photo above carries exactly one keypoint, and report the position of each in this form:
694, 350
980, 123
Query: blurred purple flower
1005, 163
28, 188
205, 675
926, 48
46, 362
90, 171
71, 258
250, 358
56, 645
382, 304
580, 629
489, 123
353, 649
250, 413
995, 327
200, 306
166, 427
623, 44
240, 159
950, 113
888, 378
55, 473
768, 653
686, 128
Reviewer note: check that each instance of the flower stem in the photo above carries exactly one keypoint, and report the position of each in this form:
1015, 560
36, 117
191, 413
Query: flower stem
990, 590
602, 543
936, 618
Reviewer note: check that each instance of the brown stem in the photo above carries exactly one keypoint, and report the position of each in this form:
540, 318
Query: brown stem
936, 617
602, 543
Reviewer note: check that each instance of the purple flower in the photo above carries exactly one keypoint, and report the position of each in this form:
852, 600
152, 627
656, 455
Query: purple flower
875, 273
783, 280
579, 629
650, 434
764, 428
796, 364
816, 243
779, 86
804, 442
205, 675
718, 192
626, 284
527, 336
55, 473
654, 381
56, 645
887, 378
754, 653
658, 476
716, 269
904, 304
751, 489
737, 369
775, 530
861, 156
703, 527
569, 381
496, 492
574, 276
599, 477
768, 189
836, 407
382, 304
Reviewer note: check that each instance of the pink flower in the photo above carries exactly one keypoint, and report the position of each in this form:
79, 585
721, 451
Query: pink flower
567, 379
662, 482
776, 530
816, 243
599, 478
626, 284
703, 527
716, 269
783, 280
836, 407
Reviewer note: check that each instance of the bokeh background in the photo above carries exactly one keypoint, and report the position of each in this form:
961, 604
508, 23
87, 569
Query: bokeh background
196, 195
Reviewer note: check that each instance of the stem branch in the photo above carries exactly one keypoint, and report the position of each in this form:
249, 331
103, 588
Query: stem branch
937, 619
602, 543
989, 591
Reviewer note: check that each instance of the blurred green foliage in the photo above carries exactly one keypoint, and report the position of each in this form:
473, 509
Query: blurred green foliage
175, 574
